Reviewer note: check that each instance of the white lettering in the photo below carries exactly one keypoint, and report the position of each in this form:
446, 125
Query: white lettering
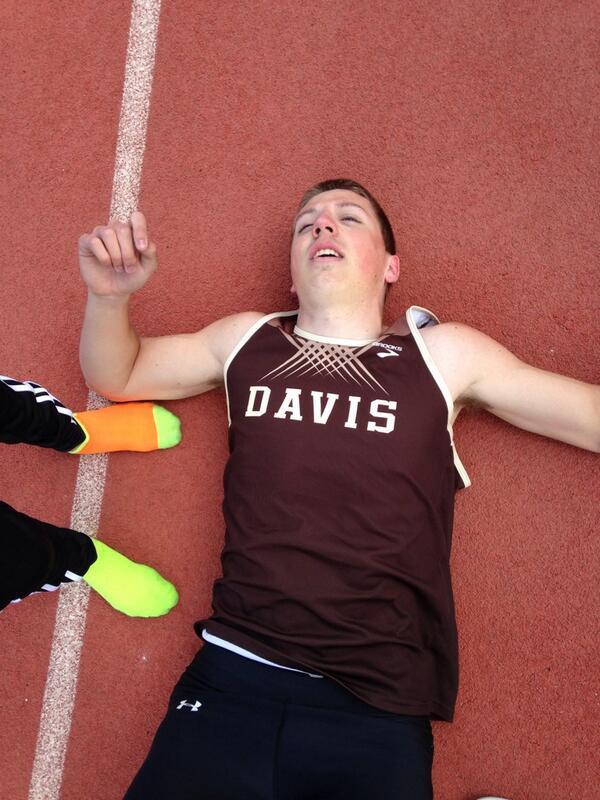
382, 419
321, 416
352, 412
390, 418
264, 401
291, 405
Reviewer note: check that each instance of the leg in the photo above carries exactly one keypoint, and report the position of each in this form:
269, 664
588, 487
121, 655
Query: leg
139, 427
37, 556
239, 729
351, 756
30, 414
213, 744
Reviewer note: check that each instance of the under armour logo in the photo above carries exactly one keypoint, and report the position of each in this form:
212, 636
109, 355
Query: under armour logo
193, 706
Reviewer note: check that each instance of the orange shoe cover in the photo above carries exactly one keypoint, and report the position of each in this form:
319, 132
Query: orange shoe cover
139, 427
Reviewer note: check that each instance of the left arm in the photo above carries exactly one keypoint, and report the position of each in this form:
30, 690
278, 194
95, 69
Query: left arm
533, 399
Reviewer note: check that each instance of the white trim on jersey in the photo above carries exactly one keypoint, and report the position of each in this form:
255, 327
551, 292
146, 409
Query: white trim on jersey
315, 337
414, 316
240, 651
249, 333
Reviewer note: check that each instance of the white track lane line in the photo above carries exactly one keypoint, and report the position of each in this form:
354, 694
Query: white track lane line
63, 669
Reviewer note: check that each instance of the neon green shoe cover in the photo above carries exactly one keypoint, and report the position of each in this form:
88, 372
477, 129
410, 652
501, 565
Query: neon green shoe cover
135, 589
168, 427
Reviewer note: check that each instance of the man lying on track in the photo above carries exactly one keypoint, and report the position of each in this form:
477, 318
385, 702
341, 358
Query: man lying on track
332, 643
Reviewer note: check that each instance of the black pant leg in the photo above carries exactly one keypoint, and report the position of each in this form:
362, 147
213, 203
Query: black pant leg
328, 753
38, 556
236, 729
30, 414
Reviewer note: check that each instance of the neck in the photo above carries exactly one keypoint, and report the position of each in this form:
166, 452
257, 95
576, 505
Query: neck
342, 323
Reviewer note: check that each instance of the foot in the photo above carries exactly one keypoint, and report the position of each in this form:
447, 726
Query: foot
139, 427
134, 589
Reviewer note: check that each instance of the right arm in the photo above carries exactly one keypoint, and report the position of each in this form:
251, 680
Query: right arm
115, 261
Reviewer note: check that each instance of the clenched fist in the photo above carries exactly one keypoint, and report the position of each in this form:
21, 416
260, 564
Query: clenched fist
117, 259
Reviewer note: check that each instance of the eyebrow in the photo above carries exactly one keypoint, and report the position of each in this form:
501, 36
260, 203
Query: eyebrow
338, 205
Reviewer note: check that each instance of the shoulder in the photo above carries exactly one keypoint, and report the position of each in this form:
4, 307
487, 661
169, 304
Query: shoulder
465, 355
224, 335
447, 340
456, 338
238, 324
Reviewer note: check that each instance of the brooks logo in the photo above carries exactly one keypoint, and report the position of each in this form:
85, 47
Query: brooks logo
390, 349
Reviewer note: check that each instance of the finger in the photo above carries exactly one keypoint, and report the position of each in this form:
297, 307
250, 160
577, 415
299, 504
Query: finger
140, 230
110, 241
149, 257
84, 245
125, 239
95, 247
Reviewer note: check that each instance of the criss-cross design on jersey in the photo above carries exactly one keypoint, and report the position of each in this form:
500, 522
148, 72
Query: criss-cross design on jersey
315, 358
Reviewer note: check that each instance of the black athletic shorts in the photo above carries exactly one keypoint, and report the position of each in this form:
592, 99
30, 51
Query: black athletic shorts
237, 729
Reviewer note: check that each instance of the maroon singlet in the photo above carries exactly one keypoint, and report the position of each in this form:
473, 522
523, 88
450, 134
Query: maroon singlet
339, 496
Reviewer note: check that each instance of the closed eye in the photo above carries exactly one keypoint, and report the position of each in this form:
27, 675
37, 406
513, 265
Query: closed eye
310, 224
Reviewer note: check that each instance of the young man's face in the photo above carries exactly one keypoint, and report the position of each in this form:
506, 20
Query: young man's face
338, 250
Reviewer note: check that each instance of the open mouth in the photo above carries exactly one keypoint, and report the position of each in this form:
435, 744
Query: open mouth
326, 252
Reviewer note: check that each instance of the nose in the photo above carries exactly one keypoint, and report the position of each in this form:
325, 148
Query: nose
323, 223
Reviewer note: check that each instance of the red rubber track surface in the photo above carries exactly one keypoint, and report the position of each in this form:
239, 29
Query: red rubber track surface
476, 125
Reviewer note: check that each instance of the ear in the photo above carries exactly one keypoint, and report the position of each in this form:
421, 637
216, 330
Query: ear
293, 289
392, 272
